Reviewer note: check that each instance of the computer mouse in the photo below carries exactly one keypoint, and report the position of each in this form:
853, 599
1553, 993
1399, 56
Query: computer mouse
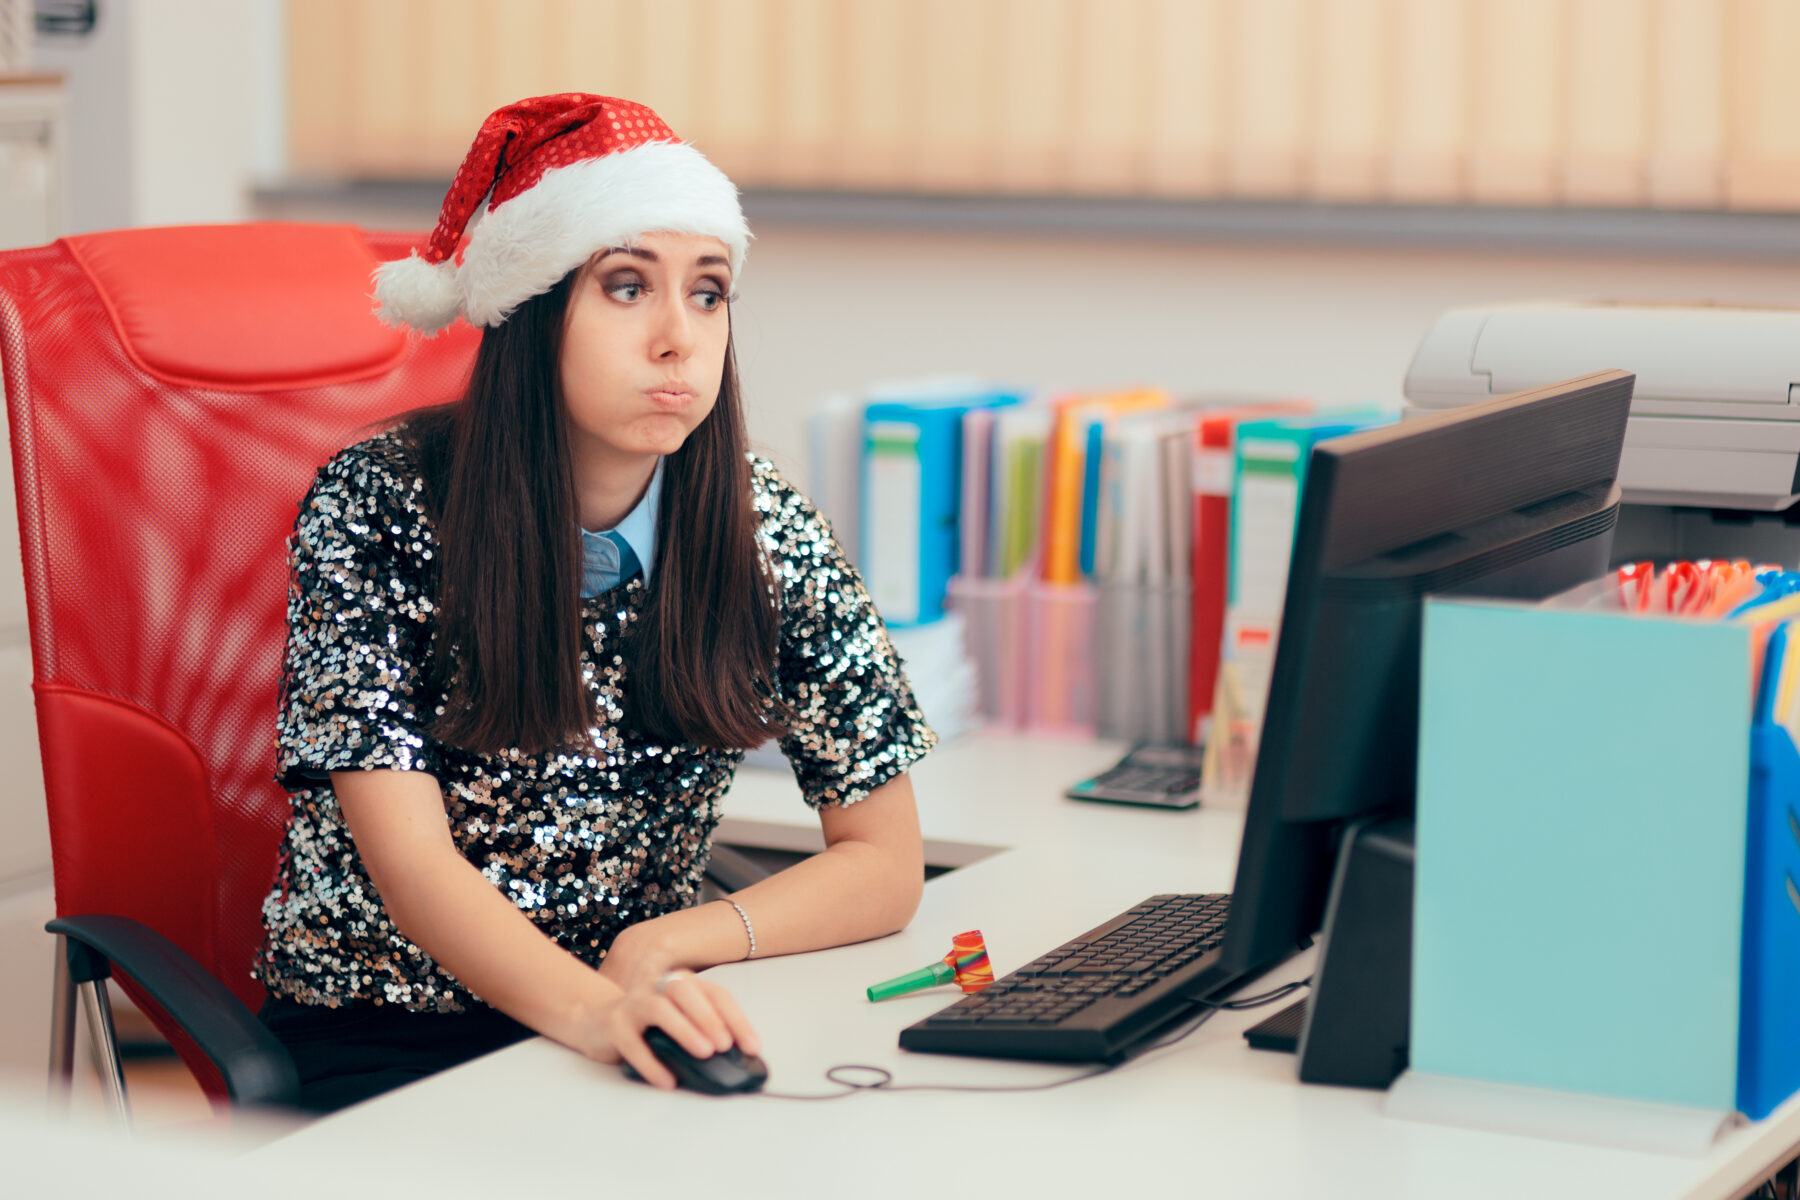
725, 1073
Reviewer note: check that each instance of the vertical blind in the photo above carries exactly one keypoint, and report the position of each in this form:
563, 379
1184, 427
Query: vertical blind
1605, 103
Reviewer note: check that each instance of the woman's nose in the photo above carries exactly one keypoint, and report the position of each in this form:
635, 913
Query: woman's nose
674, 332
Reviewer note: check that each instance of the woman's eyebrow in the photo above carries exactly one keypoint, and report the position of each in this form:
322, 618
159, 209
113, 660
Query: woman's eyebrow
705, 260
634, 251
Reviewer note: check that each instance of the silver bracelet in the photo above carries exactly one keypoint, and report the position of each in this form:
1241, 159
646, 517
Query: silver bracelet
748, 928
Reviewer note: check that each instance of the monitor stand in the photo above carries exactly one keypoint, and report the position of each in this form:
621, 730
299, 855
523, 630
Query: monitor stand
1352, 1030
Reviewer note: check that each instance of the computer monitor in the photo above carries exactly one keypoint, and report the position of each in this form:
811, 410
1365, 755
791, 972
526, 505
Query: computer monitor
1514, 497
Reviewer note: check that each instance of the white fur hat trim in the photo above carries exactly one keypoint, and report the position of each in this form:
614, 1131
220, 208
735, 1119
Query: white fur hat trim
523, 247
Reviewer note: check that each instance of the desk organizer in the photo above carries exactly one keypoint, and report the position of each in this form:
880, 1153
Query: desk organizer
1141, 660
1033, 647
1059, 658
993, 612
1608, 857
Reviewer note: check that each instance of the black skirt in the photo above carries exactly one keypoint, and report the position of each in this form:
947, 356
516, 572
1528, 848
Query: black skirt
351, 1053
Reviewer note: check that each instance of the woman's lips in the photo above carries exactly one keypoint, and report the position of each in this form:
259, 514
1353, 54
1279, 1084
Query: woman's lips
669, 397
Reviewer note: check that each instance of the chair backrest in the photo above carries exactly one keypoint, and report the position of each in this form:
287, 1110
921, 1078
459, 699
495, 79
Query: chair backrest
170, 393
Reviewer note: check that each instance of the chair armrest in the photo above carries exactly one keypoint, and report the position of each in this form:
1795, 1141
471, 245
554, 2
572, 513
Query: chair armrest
733, 871
256, 1068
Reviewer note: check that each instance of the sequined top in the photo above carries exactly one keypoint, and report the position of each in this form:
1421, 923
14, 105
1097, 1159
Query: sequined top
587, 839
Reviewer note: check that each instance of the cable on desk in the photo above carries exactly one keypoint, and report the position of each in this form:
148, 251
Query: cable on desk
1261, 998
883, 1079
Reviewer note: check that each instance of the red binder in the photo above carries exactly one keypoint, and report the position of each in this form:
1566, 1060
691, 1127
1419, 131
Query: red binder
1214, 440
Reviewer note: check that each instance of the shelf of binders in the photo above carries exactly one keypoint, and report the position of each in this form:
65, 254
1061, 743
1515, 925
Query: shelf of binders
1096, 556
1091, 543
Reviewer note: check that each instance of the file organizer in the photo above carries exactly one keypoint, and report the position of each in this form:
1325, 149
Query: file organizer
993, 612
1059, 658
1033, 647
1141, 661
1608, 859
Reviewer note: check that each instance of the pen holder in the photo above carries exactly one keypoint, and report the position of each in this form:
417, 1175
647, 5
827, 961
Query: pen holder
1141, 661
993, 612
1059, 658
1608, 852
1033, 646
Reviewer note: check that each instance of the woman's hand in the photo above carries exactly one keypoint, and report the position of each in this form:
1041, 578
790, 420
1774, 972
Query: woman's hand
700, 1015
641, 955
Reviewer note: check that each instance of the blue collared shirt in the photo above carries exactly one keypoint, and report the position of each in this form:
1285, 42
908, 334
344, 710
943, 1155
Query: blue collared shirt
611, 556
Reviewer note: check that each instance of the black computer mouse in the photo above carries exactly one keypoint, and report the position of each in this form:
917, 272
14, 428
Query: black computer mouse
726, 1073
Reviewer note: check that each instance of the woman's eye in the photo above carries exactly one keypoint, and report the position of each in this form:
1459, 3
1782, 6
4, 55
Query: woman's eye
709, 299
627, 290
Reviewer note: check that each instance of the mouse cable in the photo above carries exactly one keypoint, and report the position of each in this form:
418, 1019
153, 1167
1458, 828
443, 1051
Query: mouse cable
882, 1080
1261, 998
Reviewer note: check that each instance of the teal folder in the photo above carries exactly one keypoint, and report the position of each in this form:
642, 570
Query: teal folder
1582, 810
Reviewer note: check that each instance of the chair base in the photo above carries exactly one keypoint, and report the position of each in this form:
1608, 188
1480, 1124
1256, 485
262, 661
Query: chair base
97, 1007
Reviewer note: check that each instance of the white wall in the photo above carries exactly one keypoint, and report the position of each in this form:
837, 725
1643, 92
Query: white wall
193, 88
175, 110
98, 76
824, 309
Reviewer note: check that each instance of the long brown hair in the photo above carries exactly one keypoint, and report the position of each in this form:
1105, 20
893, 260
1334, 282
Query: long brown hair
500, 483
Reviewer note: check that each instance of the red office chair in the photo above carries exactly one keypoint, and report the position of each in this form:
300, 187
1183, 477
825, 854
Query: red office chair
171, 392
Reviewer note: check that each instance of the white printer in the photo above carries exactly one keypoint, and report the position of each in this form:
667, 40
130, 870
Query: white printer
1712, 448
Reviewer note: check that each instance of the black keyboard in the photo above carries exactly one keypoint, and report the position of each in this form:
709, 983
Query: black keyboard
1094, 996
1160, 776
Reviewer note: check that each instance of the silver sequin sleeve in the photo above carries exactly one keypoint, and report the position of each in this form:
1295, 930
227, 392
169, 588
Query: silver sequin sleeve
359, 628
858, 724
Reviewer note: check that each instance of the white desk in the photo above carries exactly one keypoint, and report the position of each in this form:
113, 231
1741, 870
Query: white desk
1208, 1116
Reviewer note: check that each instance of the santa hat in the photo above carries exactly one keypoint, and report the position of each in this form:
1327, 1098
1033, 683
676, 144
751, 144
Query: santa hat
561, 177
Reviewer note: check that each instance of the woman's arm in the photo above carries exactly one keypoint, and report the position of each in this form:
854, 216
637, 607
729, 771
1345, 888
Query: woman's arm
866, 884
439, 900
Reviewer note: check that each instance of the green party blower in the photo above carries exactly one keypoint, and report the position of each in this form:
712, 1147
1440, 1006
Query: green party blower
966, 964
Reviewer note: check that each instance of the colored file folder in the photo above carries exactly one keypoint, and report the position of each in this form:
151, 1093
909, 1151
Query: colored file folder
1270, 458
1073, 489
1016, 485
912, 485
835, 455
1212, 476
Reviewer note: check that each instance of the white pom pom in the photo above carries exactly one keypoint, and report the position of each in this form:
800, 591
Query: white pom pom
411, 291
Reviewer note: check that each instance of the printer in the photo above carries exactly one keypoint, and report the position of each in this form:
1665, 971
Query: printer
1712, 448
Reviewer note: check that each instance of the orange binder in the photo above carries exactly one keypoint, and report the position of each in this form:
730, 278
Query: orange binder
1068, 457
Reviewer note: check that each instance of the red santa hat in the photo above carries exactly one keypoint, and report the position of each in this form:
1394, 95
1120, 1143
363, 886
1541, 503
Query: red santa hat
548, 182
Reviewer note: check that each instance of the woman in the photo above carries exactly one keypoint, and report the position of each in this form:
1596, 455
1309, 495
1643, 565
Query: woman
531, 634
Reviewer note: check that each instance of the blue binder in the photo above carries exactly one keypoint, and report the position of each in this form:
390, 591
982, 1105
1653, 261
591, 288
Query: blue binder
912, 499
1769, 1020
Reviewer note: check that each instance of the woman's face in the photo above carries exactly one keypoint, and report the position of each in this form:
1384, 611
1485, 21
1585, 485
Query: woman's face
643, 349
